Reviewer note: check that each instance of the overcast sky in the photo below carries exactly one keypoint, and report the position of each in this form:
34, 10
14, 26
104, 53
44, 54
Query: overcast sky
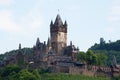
22, 21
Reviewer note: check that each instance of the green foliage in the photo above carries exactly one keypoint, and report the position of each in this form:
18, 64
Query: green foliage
12, 76
62, 76
26, 75
91, 58
15, 73
43, 70
20, 61
1, 57
115, 46
9, 70
110, 49
37, 73
81, 57
110, 55
102, 59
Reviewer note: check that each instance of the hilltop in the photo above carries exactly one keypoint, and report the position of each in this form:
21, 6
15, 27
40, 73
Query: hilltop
109, 48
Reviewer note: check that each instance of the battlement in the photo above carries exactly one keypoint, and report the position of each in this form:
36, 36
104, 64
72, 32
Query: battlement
58, 25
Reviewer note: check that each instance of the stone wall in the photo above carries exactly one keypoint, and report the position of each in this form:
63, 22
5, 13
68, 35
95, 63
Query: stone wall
91, 70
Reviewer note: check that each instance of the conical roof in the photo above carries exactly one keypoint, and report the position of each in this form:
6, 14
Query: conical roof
65, 24
37, 42
58, 21
51, 24
48, 42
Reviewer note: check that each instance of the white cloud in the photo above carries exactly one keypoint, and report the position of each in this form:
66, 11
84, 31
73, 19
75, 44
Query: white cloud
6, 2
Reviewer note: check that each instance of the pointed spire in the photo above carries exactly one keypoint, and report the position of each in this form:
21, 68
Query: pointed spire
65, 24
37, 42
114, 60
19, 46
51, 24
48, 42
70, 43
58, 21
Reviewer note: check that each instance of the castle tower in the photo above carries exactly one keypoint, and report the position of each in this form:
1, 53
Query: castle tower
58, 33
19, 56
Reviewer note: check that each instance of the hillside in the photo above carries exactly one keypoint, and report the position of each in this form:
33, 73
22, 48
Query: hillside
16, 73
110, 48
96, 55
13, 52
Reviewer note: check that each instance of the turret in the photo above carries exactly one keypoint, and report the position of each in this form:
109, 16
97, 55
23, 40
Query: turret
51, 24
58, 25
65, 24
19, 46
58, 33
19, 56
48, 43
102, 41
19, 50
37, 42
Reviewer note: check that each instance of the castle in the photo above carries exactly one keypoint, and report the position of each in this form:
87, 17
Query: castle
57, 56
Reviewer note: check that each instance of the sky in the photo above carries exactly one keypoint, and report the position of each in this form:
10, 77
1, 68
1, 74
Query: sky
22, 21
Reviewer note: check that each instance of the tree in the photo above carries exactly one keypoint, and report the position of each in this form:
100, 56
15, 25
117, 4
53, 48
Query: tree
36, 73
102, 59
9, 69
26, 75
91, 57
81, 56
